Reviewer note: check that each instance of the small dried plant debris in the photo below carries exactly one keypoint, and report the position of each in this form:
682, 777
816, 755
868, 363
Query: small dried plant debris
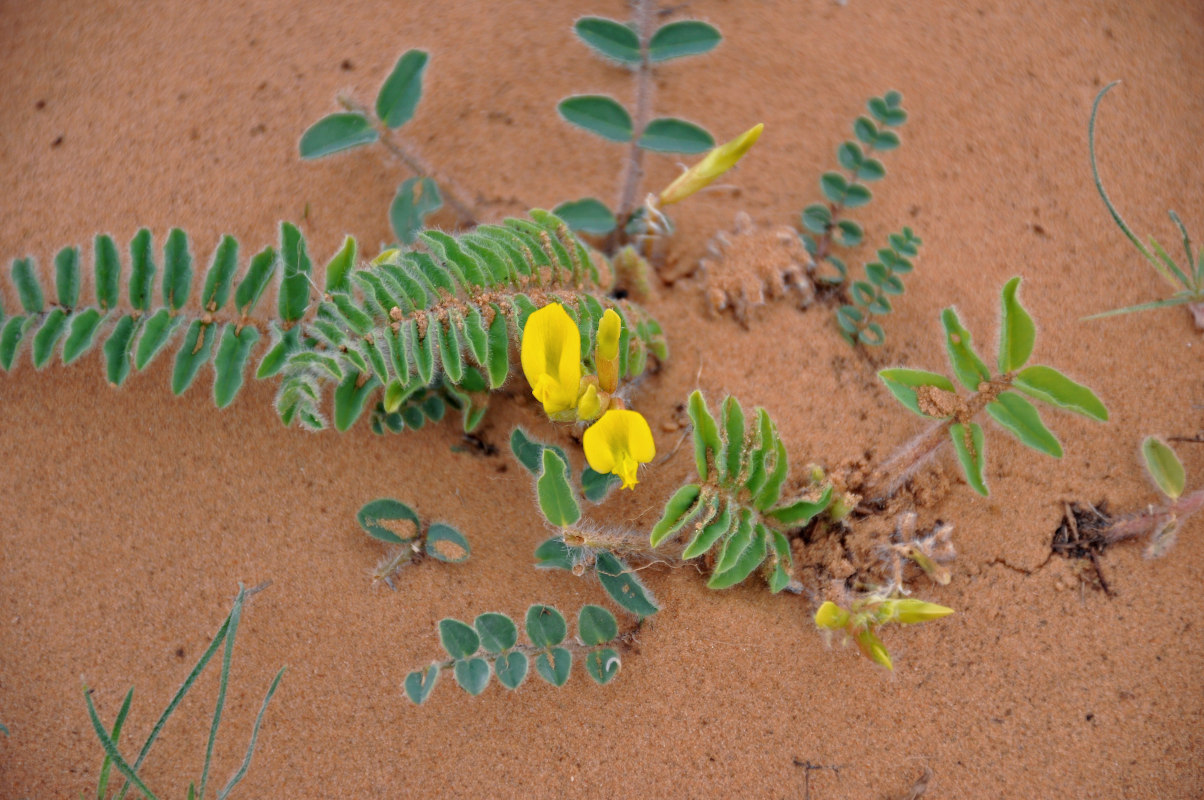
750, 265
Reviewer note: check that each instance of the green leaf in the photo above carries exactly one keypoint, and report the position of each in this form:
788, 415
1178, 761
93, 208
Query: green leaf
1046, 383
511, 669
157, 331
609, 39
706, 435
678, 511
117, 351
416, 199
82, 334
1164, 467
420, 683
336, 132
401, 91
733, 436
749, 560
499, 348
849, 155
556, 499
340, 267
107, 264
177, 270
1016, 332
554, 665
445, 543
835, 187
350, 397
231, 361
871, 169
295, 282
716, 529
587, 215
735, 545
816, 218
66, 274
599, 115
971, 461
848, 233
472, 675
102, 783
857, 196
602, 665
29, 289
967, 366
197, 347
865, 130
459, 639
872, 335
378, 519
780, 577
48, 336
220, 274
285, 345
684, 38
903, 383
545, 626
772, 490
621, 583
596, 625
142, 271
530, 452
259, 275
497, 631
450, 349
801, 513
1020, 417
671, 135
597, 485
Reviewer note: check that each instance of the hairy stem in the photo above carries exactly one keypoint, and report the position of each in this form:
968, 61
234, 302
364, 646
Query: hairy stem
645, 10
1148, 520
452, 192
889, 476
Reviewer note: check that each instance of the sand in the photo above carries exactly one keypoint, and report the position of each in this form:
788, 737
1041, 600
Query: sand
130, 516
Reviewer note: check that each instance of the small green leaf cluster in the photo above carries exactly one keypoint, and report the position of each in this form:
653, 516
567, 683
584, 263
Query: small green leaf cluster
416, 197
395, 523
109, 739
579, 546
934, 396
134, 333
1188, 279
871, 297
738, 504
604, 116
490, 646
825, 224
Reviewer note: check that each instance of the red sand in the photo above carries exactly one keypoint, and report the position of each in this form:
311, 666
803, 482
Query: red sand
130, 516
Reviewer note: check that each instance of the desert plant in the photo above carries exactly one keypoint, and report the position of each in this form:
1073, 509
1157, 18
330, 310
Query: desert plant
827, 224
395, 523
450, 310
871, 297
638, 46
1187, 280
490, 645
109, 738
417, 197
933, 396
868, 612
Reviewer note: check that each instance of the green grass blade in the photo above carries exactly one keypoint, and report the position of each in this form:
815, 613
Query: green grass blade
1099, 186
111, 751
1177, 300
102, 785
231, 631
246, 762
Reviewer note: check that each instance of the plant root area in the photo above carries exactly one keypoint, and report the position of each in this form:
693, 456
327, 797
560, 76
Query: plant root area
130, 516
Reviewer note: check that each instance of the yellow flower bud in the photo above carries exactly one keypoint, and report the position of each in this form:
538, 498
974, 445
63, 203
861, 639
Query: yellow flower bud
908, 611
618, 443
589, 405
551, 358
872, 648
606, 353
714, 164
831, 616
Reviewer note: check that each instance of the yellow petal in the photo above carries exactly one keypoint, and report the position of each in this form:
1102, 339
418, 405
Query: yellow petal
608, 335
618, 443
831, 616
714, 164
908, 611
589, 405
551, 357
872, 648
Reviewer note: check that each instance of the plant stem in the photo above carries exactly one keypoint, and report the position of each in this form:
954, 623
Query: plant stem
645, 10
1151, 518
889, 476
405, 153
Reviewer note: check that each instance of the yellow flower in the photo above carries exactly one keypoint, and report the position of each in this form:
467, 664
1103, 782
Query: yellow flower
551, 356
831, 616
714, 164
909, 611
606, 353
619, 443
589, 405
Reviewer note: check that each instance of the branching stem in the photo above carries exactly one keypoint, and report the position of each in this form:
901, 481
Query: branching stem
405, 153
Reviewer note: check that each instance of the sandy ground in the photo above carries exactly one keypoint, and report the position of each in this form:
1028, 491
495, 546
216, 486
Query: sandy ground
129, 517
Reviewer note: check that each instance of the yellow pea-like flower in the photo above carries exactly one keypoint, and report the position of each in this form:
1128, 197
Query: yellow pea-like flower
606, 353
831, 616
589, 405
551, 357
714, 164
619, 442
